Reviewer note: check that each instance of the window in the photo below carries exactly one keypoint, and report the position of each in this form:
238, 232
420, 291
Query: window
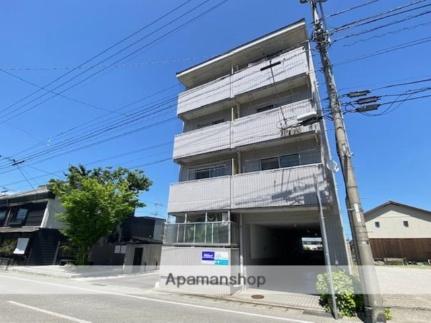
19, 216
203, 125
377, 224
289, 160
3, 214
265, 108
208, 172
269, 163
202, 173
35, 214
406, 224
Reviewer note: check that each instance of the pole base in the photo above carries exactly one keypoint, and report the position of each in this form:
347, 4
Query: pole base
374, 315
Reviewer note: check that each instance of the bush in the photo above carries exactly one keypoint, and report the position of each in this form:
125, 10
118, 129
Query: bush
388, 314
348, 302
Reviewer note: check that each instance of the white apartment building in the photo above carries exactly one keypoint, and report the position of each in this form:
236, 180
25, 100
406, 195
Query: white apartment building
246, 192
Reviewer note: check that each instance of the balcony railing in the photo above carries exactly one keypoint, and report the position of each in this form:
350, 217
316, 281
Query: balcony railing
201, 233
292, 186
292, 63
247, 130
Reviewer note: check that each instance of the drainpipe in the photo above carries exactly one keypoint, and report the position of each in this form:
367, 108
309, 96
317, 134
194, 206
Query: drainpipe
241, 249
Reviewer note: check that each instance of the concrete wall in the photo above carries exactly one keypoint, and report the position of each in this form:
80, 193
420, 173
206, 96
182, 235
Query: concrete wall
293, 63
247, 130
290, 96
150, 256
292, 186
187, 261
391, 219
50, 219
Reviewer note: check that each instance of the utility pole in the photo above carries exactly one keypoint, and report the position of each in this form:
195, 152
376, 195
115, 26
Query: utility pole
372, 299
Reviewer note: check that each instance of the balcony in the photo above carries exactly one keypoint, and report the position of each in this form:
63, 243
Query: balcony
244, 131
203, 194
204, 140
285, 66
223, 233
284, 187
293, 186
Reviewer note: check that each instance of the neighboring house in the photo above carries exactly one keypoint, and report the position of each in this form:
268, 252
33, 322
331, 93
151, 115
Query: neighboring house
137, 242
398, 230
29, 230
246, 192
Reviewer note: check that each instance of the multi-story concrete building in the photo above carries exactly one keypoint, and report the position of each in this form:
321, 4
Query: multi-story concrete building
246, 192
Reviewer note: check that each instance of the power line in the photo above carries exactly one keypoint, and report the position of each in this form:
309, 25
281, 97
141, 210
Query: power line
408, 44
80, 139
100, 53
351, 8
397, 31
118, 66
127, 56
59, 94
146, 148
380, 16
383, 26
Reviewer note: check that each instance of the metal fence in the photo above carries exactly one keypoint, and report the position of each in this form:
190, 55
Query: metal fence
201, 233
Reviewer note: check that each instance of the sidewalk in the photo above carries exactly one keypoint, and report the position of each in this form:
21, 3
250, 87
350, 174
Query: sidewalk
70, 271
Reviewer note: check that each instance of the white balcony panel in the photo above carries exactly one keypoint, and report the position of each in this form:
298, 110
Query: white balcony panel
291, 64
204, 194
279, 187
204, 140
268, 125
205, 94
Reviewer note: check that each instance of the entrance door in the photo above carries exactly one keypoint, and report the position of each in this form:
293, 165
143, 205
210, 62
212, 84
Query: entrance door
137, 257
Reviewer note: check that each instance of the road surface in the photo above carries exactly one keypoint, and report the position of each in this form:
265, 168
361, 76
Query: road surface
33, 298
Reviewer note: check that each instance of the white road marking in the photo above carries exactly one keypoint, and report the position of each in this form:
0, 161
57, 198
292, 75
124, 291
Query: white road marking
156, 300
66, 317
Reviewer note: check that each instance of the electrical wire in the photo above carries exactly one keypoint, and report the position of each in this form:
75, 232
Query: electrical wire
351, 8
380, 16
101, 53
382, 26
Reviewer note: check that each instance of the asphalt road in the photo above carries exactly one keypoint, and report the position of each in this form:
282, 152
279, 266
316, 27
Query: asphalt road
32, 298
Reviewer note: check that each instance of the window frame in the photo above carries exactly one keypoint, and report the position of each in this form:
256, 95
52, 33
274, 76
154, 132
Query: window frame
406, 223
289, 155
377, 224
277, 158
6, 213
192, 172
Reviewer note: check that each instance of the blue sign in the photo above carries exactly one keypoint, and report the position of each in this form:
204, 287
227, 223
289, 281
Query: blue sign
222, 262
208, 255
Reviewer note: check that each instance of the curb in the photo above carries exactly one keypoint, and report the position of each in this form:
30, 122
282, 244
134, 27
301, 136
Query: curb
304, 310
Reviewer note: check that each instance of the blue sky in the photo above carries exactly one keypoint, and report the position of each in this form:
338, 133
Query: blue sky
44, 39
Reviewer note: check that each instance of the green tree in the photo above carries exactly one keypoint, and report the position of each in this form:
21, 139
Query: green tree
95, 201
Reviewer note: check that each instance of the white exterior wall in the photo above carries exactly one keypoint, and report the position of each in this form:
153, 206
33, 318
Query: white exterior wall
244, 131
391, 223
50, 220
292, 63
293, 186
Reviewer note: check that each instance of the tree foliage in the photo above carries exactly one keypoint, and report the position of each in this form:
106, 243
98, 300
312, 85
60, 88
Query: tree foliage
95, 201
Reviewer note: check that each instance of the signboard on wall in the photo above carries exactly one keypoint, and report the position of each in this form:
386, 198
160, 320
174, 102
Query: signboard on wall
220, 258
